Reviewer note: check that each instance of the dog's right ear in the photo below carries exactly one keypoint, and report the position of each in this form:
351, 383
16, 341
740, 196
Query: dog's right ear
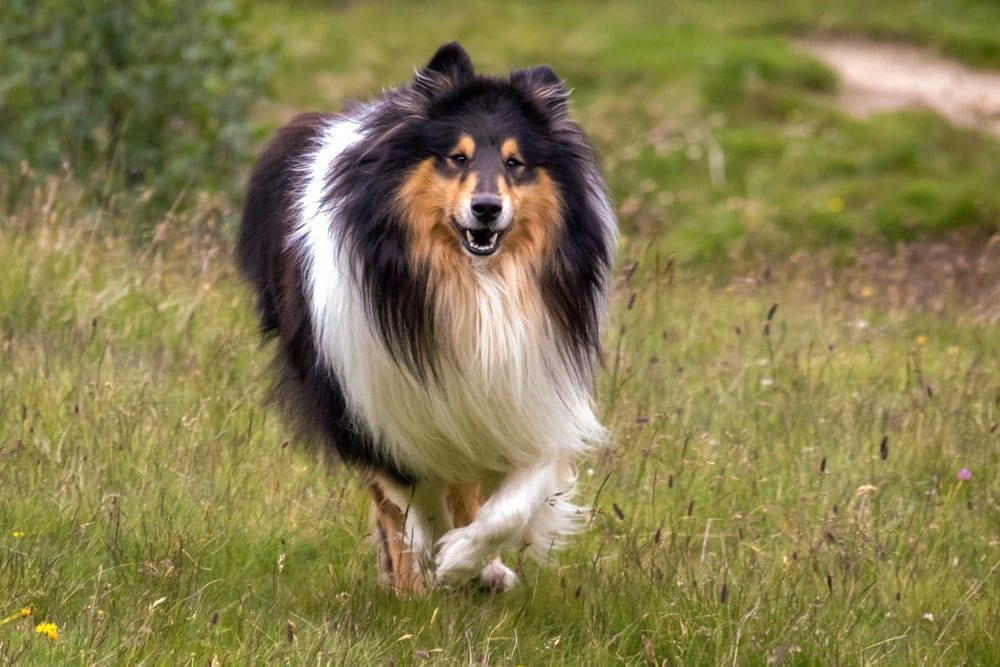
449, 68
545, 88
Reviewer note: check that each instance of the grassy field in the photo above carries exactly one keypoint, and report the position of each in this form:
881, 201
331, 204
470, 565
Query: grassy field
793, 403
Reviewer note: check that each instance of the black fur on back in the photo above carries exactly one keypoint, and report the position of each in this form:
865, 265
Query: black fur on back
308, 392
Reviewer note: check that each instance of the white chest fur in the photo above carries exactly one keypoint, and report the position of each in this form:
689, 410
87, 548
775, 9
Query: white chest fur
505, 397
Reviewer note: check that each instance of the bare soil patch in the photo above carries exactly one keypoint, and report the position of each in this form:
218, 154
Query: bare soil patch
960, 270
955, 274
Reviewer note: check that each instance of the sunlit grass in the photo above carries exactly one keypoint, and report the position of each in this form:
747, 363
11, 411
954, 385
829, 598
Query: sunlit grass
805, 451
785, 478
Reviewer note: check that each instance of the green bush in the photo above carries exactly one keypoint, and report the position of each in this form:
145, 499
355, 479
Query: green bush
130, 93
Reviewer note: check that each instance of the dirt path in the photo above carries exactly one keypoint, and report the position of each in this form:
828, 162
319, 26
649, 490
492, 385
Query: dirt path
878, 76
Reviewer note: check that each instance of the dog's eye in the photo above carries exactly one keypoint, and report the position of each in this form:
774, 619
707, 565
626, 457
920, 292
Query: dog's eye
459, 159
514, 163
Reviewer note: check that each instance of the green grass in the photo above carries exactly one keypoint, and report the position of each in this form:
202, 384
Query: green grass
154, 509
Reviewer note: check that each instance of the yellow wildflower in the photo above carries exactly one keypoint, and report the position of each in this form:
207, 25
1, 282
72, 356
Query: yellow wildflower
48, 629
835, 204
25, 611
867, 292
18, 534
921, 340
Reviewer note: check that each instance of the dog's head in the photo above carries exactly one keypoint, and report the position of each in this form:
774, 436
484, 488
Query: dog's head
485, 183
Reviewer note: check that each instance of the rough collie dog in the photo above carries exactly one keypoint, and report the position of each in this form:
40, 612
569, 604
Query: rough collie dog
434, 266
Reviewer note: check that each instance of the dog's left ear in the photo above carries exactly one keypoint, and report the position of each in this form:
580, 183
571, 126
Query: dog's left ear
449, 68
542, 85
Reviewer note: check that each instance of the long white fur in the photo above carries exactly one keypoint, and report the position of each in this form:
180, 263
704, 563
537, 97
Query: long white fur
508, 409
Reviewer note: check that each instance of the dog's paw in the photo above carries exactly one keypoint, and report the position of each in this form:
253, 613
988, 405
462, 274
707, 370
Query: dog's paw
497, 577
459, 559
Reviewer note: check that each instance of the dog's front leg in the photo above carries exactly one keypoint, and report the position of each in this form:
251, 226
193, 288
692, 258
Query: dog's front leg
406, 521
527, 507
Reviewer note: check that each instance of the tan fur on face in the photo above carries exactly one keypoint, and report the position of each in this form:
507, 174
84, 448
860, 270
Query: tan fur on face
466, 146
537, 218
509, 149
430, 200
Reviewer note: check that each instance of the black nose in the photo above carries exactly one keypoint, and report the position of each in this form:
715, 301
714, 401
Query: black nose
486, 208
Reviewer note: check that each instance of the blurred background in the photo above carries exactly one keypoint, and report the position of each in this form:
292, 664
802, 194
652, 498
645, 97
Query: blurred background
722, 129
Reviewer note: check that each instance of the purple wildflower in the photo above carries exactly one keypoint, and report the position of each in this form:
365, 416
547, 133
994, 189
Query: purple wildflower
964, 475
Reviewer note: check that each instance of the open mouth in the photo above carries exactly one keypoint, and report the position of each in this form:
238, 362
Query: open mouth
480, 242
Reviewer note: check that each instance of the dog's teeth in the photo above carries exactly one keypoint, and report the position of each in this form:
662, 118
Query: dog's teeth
484, 246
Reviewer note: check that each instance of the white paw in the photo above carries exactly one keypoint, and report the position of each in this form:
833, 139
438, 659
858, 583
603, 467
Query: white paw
459, 559
497, 577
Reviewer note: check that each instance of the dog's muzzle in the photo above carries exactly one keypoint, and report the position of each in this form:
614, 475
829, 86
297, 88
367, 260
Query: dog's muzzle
485, 225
